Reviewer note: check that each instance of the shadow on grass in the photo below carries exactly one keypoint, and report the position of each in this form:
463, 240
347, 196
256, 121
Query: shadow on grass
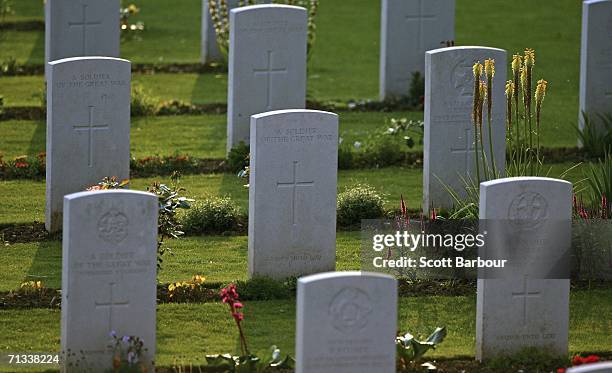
37, 53
46, 266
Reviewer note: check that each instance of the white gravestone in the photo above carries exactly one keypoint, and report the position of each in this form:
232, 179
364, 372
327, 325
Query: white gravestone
409, 28
531, 217
210, 49
77, 28
448, 144
88, 127
346, 322
603, 367
267, 64
109, 269
596, 59
292, 193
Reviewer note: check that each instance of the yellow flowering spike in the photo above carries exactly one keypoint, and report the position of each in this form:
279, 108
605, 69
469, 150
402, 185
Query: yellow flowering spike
523, 78
529, 57
489, 68
540, 91
517, 62
477, 69
483, 91
509, 88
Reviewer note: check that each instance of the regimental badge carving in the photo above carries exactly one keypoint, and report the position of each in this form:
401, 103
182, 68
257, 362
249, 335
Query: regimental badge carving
113, 226
528, 211
462, 78
350, 310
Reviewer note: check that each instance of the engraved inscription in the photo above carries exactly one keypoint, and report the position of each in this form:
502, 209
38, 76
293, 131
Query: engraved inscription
350, 310
282, 27
298, 135
112, 262
113, 226
462, 78
92, 80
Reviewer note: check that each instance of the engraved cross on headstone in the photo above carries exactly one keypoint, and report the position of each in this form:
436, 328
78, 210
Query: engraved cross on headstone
468, 148
525, 295
84, 24
111, 304
294, 184
90, 128
420, 18
268, 71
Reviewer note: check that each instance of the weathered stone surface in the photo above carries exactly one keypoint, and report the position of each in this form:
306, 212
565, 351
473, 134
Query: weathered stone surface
88, 127
346, 322
81, 28
528, 218
409, 28
292, 193
109, 270
596, 60
267, 64
448, 145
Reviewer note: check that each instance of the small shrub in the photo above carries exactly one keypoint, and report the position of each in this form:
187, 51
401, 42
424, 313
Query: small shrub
174, 107
596, 135
212, 215
357, 203
238, 157
142, 103
381, 151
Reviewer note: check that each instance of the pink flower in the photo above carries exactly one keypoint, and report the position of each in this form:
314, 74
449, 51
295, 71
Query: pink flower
238, 316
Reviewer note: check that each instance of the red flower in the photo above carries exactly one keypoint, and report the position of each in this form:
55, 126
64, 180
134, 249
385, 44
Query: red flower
94, 188
434, 215
21, 164
238, 305
579, 360
560, 370
238, 316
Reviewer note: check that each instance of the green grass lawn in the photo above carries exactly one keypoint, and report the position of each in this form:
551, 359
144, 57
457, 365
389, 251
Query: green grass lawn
200, 136
186, 332
345, 30
23, 200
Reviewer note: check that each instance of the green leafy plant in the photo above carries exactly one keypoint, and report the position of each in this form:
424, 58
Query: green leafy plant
411, 129
596, 134
410, 350
142, 102
238, 157
246, 361
219, 14
598, 179
359, 202
170, 202
214, 215
416, 92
